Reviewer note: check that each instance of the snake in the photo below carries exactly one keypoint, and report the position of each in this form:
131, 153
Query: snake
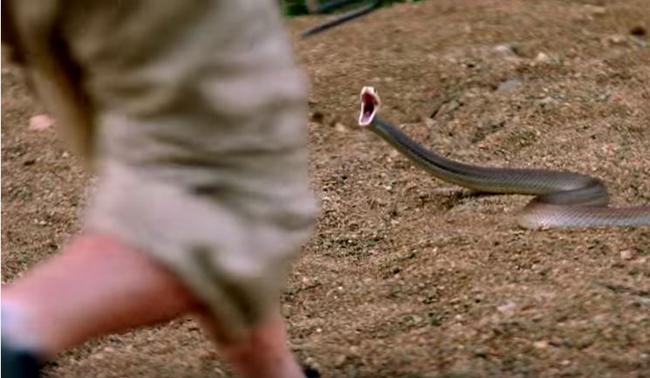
345, 17
562, 199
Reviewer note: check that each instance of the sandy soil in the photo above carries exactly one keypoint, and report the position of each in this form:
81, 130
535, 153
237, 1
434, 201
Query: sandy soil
408, 276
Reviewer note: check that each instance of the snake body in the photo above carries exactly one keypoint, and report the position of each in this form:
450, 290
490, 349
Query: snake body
563, 199
351, 15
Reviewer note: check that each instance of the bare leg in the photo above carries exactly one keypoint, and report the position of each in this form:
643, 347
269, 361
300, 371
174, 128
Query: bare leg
95, 286
98, 285
264, 353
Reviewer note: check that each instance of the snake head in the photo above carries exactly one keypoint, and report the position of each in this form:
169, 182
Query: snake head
369, 106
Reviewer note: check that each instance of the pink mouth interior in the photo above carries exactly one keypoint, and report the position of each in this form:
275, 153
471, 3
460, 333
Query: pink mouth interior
368, 108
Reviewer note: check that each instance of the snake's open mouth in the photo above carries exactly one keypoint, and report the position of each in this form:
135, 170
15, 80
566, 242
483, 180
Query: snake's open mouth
369, 105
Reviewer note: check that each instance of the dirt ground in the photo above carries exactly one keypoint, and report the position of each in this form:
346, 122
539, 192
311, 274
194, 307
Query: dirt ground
406, 275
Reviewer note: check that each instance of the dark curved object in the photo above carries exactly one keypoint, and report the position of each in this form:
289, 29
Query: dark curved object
371, 6
334, 4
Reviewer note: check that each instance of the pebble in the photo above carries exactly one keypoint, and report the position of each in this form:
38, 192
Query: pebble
40, 122
542, 344
508, 308
509, 85
616, 39
627, 254
542, 58
340, 128
507, 49
595, 10
545, 101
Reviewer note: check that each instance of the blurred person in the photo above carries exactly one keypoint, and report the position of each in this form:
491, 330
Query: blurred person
192, 114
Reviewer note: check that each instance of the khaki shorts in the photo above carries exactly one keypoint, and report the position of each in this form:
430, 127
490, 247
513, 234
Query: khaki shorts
193, 116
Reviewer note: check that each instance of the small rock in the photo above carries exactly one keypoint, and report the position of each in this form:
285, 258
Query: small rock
481, 352
416, 319
616, 39
508, 308
340, 128
453, 105
542, 344
542, 58
503, 48
340, 360
595, 10
604, 97
627, 254
509, 85
40, 122
545, 101
507, 49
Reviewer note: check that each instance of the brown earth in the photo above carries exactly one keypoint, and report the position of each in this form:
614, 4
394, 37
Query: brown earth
408, 276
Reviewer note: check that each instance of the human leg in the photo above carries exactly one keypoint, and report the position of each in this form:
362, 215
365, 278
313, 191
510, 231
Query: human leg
263, 353
97, 285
